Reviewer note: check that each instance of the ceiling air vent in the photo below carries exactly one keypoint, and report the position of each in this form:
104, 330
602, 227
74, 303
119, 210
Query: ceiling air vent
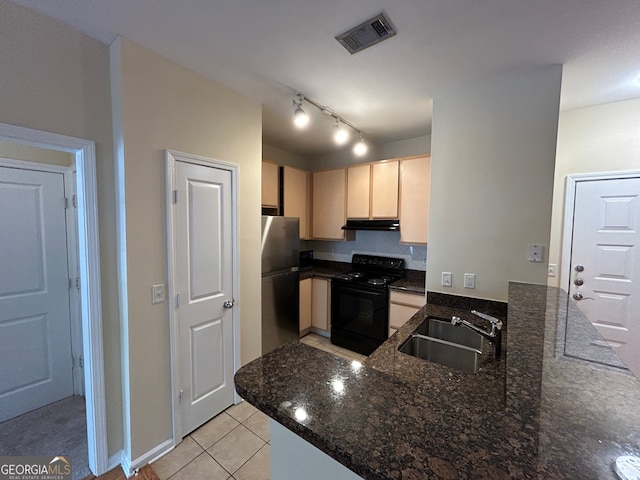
366, 34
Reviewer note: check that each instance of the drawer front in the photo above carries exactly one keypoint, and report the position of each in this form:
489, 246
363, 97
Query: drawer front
410, 299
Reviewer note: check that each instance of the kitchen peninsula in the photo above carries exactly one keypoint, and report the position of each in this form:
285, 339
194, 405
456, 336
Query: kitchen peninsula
533, 414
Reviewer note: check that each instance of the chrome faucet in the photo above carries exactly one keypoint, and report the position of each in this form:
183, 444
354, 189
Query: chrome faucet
494, 336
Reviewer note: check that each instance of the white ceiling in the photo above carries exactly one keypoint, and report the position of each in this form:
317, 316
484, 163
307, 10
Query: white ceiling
269, 49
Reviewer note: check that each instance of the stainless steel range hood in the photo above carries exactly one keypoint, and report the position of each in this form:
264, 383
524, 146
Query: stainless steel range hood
380, 225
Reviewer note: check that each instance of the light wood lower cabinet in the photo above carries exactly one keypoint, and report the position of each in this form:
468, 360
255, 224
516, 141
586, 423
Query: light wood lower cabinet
403, 306
321, 304
305, 304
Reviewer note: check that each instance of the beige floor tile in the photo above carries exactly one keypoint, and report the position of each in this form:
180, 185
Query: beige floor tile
309, 340
257, 467
202, 468
242, 411
214, 430
324, 347
258, 423
236, 448
177, 458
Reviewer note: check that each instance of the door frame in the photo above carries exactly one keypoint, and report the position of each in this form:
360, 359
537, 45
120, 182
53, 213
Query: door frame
89, 273
171, 157
569, 210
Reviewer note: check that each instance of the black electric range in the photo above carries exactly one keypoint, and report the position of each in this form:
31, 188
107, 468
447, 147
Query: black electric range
360, 302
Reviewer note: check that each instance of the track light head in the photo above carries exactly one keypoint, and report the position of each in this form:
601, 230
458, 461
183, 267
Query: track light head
360, 148
300, 117
340, 133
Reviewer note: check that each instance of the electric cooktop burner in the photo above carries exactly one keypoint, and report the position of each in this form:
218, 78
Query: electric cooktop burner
373, 270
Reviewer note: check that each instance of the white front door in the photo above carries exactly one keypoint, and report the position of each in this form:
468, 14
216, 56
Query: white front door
35, 329
605, 267
204, 282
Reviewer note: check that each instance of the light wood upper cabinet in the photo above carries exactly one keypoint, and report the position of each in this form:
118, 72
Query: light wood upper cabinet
329, 204
270, 184
358, 191
372, 190
415, 178
296, 197
384, 191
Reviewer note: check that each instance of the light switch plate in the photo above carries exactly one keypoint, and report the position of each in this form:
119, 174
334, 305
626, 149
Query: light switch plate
469, 280
446, 279
157, 293
535, 252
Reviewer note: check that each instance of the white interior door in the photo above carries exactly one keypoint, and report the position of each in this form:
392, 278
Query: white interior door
605, 264
204, 277
35, 329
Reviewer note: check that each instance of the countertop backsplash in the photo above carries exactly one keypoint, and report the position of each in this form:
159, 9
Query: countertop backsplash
370, 243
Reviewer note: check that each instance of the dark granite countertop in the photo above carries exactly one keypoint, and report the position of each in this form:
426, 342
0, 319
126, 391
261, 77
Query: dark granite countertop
533, 414
413, 282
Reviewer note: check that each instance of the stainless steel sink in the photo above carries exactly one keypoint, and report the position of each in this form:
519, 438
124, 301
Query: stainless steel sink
446, 353
443, 329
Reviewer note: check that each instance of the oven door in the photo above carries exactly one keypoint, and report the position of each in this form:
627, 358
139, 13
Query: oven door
359, 311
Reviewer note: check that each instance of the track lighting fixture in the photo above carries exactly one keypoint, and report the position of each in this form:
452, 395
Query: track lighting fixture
341, 133
360, 148
300, 117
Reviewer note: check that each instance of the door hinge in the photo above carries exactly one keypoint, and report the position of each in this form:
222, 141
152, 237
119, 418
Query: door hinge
175, 196
177, 300
66, 203
181, 395
70, 283
77, 362
78, 283
74, 201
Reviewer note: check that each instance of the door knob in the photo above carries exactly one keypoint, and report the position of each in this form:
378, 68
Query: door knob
228, 304
578, 281
579, 268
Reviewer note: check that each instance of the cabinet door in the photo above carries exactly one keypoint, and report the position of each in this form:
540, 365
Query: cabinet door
270, 184
329, 204
296, 197
403, 306
305, 304
414, 199
320, 304
358, 191
384, 190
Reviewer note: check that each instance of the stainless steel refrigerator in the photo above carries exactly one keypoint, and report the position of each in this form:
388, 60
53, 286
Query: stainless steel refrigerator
280, 281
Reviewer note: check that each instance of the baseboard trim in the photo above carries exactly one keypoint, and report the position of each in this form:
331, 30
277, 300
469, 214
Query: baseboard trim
130, 467
115, 460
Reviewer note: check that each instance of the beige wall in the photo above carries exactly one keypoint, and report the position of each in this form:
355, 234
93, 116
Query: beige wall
492, 164
161, 105
56, 79
382, 151
282, 157
599, 139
